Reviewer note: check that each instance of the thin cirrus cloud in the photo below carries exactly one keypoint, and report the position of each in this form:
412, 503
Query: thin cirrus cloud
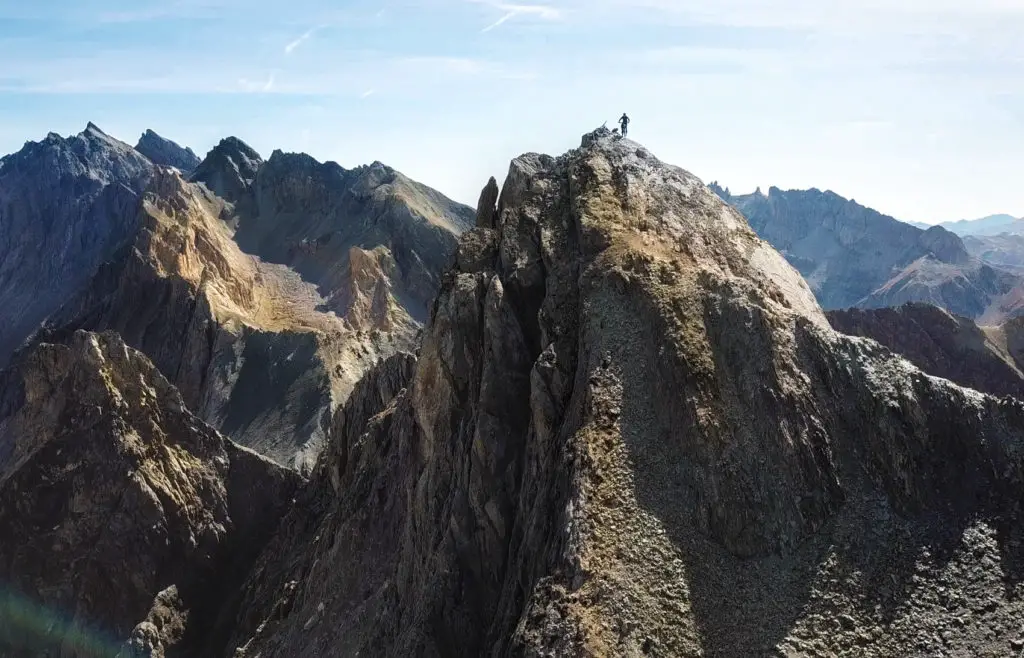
250, 86
306, 36
511, 11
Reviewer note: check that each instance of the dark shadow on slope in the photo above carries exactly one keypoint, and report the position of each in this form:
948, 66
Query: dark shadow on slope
282, 383
721, 490
938, 343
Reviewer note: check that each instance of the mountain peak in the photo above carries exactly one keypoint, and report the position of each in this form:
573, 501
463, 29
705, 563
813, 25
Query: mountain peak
165, 152
232, 144
945, 245
68, 202
229, 169
716, 237
638, 420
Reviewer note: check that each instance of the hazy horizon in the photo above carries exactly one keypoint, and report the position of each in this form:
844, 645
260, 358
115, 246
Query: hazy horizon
913, 109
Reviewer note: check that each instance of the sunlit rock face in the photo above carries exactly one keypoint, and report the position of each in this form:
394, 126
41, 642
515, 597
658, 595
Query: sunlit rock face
631, 431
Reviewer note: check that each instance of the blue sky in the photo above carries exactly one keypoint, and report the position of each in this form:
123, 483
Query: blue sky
914, 107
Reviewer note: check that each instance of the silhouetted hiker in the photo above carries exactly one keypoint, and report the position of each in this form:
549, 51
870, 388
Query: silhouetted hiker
624, 122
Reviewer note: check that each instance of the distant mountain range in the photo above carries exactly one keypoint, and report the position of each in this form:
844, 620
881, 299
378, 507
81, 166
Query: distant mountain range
991, 225
853, 256
262, 289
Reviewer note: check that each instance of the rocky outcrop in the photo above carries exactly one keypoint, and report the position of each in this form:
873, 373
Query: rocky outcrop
941, 344
229, 170
631, 431
125, 519
162, 151
244, 341
486, 207
854, 256
66, 204
309, 215
263, 345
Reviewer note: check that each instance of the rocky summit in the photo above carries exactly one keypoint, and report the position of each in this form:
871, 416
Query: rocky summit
163, 151
66, 204
627, 429
262, 290
630, 431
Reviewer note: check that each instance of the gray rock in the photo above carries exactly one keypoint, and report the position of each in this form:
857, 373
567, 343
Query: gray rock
635, 433
66, 205
229, 169
164, 152
309, 215
854, 256
486, 207
987, 359
125, 517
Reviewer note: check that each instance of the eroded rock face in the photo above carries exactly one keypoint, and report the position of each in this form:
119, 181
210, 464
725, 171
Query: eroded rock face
631, 431
229, 170
243, 340
943, 344
264, 345
66, 204
162, 151
310, 215
123, 515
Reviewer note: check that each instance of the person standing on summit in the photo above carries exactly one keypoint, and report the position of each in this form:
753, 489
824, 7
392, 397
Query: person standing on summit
624, 122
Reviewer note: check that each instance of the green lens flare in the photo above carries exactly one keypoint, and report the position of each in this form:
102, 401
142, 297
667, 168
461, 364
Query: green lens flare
26, 625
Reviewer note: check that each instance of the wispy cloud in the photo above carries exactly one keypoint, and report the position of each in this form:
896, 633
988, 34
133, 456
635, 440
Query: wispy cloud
544, 12
366, 94
288, 49
253, 86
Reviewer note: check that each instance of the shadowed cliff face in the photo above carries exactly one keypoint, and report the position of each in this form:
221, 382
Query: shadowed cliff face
65, 206
631, 431
262, 344
245, 341
944, 345
854, 256
311, 216
124, 517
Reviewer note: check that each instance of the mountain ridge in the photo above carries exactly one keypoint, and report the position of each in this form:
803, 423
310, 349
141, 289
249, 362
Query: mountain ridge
626, 409
264, 350
986, 226
987, 359
853, 256
627, 428
162, 151
67, 204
